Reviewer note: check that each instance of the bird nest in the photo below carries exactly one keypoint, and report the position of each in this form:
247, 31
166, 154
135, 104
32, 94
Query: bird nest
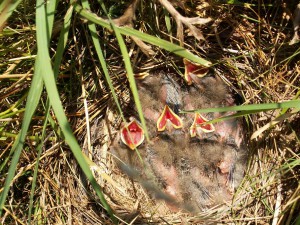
267, 181
248, 45
135, 200
132, 194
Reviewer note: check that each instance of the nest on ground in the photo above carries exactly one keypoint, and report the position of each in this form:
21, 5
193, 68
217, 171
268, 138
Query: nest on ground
266, 184
252, 56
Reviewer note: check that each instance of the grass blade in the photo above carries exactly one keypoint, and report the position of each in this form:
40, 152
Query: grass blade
250, 108
176, 49
129, 71
49, 80
31, 104
7, 7
58, 57
101, 58
36, 167
62, 41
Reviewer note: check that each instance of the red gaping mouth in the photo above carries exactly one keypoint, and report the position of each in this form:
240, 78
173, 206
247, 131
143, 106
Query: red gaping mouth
193, 69
198, 124
132, 134
168, 117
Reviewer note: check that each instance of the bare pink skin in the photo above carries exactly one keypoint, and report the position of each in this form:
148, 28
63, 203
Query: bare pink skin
151, 114
225, 166
229, 129
199, 171
225, 129
168, 174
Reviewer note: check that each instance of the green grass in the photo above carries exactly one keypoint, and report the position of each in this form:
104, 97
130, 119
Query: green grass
35, 111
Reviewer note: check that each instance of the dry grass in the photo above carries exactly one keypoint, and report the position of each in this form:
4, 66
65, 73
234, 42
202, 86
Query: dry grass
249, 47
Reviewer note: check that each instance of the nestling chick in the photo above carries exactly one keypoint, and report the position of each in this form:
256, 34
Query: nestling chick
129, 140
198, 164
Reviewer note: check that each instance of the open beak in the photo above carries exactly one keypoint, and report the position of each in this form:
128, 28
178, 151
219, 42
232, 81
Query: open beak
198, 124
193, 70
132, 134
168, 117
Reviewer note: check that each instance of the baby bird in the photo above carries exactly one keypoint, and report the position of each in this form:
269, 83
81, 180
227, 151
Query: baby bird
129, 141
199, 165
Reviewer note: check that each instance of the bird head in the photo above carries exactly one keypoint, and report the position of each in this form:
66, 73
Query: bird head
199, 125
168, 119
193, 71
132, 134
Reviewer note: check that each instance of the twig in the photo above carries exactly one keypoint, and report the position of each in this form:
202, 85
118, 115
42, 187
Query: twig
189, 22
277, 209
127, 20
